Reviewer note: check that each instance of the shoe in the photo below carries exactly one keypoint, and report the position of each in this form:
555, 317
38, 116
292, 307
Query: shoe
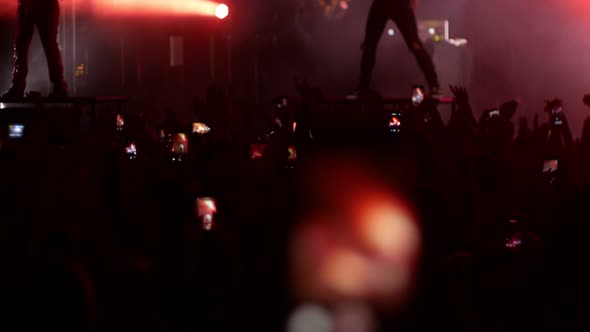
58, 93
14, 93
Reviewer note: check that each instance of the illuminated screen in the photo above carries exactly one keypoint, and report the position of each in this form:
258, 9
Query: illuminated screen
550, 166
16, 130
395, 123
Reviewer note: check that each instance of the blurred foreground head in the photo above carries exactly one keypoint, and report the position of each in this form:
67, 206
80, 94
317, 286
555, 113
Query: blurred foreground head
358, 241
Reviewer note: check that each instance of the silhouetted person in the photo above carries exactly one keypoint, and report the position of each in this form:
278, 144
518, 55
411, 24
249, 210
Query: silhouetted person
44, 14
559, 138
402, 13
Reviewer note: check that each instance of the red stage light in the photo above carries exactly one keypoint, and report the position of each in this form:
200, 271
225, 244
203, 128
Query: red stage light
221, 11
158, 7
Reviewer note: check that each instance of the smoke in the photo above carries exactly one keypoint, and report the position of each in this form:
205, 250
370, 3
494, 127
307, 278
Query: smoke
530, 50
334, 45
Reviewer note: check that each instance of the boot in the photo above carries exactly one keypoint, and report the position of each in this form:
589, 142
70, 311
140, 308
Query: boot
14, 93
59, 92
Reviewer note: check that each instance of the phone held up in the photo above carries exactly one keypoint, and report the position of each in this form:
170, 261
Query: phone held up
205, 211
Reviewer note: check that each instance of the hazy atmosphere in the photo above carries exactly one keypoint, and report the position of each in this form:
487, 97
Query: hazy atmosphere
517, 49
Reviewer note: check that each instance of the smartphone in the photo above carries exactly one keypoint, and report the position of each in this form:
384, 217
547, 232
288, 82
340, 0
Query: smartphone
281, 102
550, 166
206, 208
514, 241
395, 122
200, 128
120, 123
257, 151
131, 151
292, 153
557, 115
494, 113
179, 146
417, 95
16, 130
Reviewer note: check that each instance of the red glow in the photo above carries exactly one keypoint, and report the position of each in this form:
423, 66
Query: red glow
179, 144
365, 249
133, 7
156, 7
206, 206
387, 227
344, 271
257, 151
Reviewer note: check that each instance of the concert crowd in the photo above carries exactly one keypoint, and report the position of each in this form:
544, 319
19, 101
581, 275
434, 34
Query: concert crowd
197, 225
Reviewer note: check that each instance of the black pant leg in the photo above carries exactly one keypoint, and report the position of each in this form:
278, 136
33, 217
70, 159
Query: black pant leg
378, 16
24, 35
406, 22
48, 24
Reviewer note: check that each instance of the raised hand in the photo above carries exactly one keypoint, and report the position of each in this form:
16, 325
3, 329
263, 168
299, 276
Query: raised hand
523, 124
464, 110
460, 94
508, 109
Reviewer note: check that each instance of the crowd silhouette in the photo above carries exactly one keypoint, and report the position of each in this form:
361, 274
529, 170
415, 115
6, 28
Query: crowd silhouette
99, 235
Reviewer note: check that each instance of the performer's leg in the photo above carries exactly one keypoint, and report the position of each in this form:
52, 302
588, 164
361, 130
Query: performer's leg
47, 24
24, 34
406, 22
375, 25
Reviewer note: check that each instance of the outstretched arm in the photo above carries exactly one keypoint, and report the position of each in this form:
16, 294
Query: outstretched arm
464, 110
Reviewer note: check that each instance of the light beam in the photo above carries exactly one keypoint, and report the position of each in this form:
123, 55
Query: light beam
158, 7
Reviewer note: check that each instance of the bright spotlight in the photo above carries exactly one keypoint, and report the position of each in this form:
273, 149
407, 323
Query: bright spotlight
221, 11
157, 7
